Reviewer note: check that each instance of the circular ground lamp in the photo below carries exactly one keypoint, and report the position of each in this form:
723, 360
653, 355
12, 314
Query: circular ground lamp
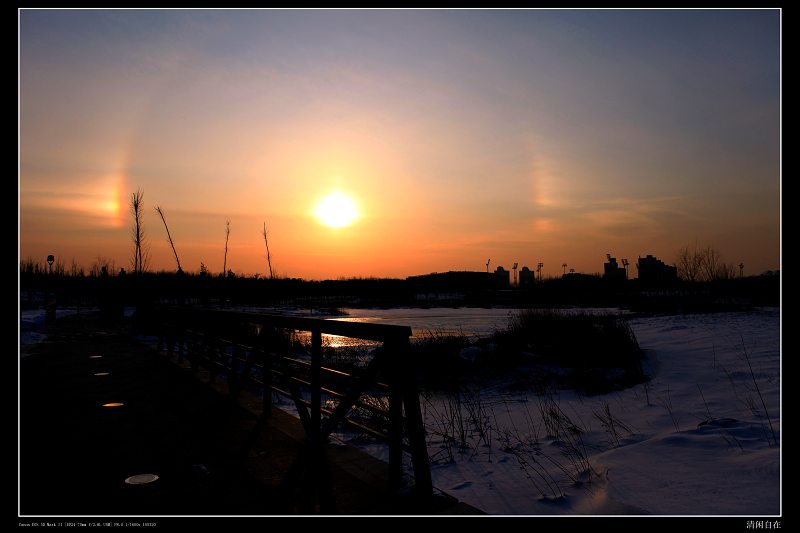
141, 479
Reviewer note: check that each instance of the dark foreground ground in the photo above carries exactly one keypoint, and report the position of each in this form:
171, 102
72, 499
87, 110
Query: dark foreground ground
75, 454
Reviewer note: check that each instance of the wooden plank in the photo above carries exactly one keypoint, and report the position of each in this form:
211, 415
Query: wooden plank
352, 396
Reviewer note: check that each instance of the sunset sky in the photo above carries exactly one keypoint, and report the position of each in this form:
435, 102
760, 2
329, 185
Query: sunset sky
527, 136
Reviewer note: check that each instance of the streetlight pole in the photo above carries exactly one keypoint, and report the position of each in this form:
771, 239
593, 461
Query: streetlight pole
50, 298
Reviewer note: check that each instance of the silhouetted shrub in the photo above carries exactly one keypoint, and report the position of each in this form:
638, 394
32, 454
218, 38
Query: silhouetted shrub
599, 351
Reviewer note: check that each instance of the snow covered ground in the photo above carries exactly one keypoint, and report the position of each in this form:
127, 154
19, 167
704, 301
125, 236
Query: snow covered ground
701, 438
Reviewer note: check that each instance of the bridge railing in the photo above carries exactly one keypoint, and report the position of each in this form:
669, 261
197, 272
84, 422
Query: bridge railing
260, 352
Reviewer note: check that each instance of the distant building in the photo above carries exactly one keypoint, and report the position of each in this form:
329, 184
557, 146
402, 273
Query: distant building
612, 271
459, 282
653, 271
526, 277
502, 279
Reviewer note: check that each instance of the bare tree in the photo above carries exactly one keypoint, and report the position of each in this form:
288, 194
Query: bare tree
726, 271
101, 265
58, 267
141, 251
269, 259
712, 265
75, 270
689, 263
29, 266
703, 264
227, 234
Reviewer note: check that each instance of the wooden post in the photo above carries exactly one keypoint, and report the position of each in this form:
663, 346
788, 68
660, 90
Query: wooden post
423, 485
395, 416
266, 361
212, 356
235, 376
170, 342
316, 391
181, 345
315, 425
197, 349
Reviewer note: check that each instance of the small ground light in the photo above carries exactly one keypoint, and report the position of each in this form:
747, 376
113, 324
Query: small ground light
141, 479
95, 357
113, 404
101, 373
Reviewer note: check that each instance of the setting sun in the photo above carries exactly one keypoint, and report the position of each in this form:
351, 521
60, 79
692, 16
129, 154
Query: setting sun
336, 210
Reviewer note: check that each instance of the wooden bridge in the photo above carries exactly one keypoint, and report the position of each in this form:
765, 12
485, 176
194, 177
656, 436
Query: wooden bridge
255, 352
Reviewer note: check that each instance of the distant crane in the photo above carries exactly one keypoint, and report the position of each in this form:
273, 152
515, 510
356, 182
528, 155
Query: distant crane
564, 266
514, 268
625, 264
741, 269
539, 270
487, 264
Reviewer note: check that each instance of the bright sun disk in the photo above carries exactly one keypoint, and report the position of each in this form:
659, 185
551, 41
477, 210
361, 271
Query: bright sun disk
337, 210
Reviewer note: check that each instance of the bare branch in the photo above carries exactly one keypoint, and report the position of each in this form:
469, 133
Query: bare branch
227, 234
269, 259
160, 212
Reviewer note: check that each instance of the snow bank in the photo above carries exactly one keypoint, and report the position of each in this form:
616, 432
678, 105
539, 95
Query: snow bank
695, 440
